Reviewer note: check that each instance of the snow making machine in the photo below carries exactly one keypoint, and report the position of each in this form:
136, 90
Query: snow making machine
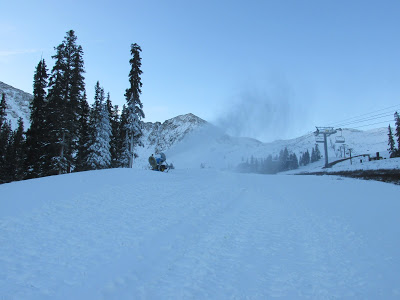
159, 162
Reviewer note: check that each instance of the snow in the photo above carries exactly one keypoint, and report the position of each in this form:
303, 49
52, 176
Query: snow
198, 233
17, 105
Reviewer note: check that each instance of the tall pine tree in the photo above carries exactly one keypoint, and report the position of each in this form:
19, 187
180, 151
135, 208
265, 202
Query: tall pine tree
134, 105
100, 156
36, 134
392, 146
115, 123
397, 123
5, 140
84, 137
3, 107
66, 91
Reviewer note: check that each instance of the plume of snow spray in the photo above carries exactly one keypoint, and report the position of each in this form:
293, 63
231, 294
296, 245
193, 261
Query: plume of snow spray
261, 114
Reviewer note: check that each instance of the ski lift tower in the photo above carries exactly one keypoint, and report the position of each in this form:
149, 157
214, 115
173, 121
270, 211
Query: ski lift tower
325, 132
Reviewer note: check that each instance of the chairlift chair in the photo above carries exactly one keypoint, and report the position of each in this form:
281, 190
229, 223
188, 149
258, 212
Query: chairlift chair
340, 138
319, 139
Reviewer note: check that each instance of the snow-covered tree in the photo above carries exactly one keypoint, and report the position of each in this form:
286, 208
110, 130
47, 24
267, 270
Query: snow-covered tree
397, 122
115, 128
134, 105
99, 150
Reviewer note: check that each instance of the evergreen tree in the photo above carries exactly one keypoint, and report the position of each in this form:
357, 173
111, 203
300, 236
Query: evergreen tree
317, 153
124, 140
294, 163
392, 146
84, 137
7, 158
397, 123
18, 153
284, 160
100, 156
36, 134
134, 105
5, 134
66, 91
114, 122
3, 107
305, 158
5, 142
313, 159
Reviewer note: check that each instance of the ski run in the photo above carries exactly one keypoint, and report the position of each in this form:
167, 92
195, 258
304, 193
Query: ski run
198, 234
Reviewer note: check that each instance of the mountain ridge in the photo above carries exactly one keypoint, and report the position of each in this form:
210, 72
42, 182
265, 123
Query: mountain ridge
18, 103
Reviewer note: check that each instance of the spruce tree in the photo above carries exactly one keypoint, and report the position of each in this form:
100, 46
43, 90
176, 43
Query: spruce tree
317, 152
66, 91
18, 149
397, 123
284, 160
5, 142
100, 156
6, 153
5, 134
124, 140
392, 146
84, 137
36, 134
313, 156
293, 162
3, 107
134, 105
115, 124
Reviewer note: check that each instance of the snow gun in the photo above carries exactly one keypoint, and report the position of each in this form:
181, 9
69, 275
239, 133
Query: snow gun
158, 162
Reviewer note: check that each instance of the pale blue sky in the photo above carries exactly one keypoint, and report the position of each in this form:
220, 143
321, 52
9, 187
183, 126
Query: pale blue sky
278, 67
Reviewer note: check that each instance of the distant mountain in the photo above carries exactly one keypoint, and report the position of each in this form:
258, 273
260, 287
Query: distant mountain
17, 104
160, 137
208, 147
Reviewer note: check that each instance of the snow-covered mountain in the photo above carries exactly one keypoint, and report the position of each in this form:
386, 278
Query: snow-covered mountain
162, 136
159, 137
210, 147
17, 104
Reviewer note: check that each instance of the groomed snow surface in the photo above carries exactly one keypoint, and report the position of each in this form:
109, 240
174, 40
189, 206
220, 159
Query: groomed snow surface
198, 234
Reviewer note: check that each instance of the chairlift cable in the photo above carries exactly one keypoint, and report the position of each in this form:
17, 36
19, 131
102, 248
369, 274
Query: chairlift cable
334, 124
385, 115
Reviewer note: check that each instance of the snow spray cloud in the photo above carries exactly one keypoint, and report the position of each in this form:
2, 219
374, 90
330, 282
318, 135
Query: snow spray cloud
266, 115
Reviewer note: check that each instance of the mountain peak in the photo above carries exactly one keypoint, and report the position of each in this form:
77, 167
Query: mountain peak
190, 118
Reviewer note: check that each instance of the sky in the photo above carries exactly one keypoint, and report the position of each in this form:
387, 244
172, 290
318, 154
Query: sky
263, 69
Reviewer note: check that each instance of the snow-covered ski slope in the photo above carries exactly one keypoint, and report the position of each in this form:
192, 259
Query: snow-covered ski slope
198, 234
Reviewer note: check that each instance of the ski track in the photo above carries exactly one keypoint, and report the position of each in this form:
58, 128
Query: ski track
187, 238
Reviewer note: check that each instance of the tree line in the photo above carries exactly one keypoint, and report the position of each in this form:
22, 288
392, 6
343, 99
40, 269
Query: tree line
66, 134
285, 161
393, 150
